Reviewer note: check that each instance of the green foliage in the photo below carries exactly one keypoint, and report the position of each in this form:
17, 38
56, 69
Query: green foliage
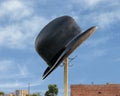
35, 94
2, 93
52, 90
38, 94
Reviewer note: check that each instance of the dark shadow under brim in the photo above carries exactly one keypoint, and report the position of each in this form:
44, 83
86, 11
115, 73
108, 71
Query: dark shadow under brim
69, 48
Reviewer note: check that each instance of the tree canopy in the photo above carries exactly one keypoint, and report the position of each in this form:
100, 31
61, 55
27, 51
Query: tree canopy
52, 90
2, 93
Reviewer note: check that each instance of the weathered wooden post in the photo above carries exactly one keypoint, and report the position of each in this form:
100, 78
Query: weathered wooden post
66, 77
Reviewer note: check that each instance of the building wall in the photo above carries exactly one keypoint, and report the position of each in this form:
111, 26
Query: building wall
95, 90
11, 94
21, 92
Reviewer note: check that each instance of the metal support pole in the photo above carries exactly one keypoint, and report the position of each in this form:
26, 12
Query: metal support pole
66, 77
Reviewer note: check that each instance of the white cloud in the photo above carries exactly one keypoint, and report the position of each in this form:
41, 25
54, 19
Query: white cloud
87, 3
11, 36
95, 42
13, 85
15, 9
20, 35
106, 18
23, 70
13, 75
37, 82
94, 54
102, 19
94, 3
20, 84
21, 26
102, 13
9, 69
5, 65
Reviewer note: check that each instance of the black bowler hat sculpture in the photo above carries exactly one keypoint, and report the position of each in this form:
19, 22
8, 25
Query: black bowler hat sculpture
58, 39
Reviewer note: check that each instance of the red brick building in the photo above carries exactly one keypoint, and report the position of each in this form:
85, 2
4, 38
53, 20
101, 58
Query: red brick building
95, 90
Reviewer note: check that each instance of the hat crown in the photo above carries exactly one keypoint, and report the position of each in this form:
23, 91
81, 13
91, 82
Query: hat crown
54, 37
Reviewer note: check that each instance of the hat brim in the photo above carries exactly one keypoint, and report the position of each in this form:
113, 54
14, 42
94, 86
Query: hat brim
69, 48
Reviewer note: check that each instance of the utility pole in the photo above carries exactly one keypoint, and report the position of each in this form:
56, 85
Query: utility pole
28, 89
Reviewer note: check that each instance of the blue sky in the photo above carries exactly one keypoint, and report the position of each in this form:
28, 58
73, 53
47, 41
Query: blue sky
98, 58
